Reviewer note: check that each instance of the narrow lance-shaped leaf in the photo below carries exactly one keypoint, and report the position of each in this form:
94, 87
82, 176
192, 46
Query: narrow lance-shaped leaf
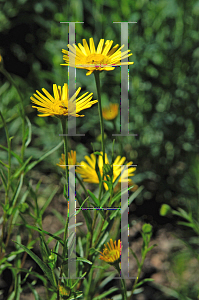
47, 271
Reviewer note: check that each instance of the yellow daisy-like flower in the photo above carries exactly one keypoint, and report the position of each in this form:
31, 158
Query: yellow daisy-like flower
71, 159
60, 104
88, 173
111, 254
102, 59
110, 112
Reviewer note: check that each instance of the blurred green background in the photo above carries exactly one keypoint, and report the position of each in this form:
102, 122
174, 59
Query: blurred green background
163, 88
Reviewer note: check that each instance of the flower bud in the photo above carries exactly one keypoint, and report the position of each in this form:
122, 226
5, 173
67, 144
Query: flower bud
147, 228
165, 210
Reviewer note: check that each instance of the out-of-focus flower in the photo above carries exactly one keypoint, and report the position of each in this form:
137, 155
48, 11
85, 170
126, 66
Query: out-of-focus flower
110, 112
102, 59
60, 105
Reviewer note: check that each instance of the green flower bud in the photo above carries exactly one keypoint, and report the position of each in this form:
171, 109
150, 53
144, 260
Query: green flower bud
147, 228
165, 210
108, 170
23, 207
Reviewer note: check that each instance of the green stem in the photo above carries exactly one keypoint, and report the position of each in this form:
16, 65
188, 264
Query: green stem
103, 221
97, 81
138, 276
82, 184
124, 292
64, 127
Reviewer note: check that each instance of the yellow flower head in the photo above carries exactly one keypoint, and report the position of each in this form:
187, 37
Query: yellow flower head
102, 59
110, 112
111, 254
60, 104
88, 172
71, 159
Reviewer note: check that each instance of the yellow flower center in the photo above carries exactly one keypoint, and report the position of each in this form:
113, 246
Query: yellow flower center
59, 108
96, 59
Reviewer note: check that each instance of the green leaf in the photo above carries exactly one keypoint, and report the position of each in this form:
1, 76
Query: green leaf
186, 224
135, 194
55, 250
104, 233
105, 294
97, 153
48, 233
94, 198
29, 132
20, 170
56, 234
136, 258
150, 248
44, 248
3, 164
143, 281
81, 250
34, 163
184, 214
112, 215
81, 259
79, 209
86, 213
49, 200
118, 196
13, 154
33, 291
59, 216
96, 201
3, 179
17, 191
35, 274
107, 193
41, 264
76, 282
